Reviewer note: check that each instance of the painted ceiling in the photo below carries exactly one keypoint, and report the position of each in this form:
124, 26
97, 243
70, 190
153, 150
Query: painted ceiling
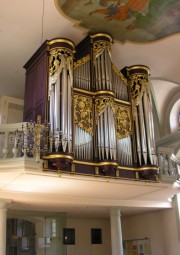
138, 21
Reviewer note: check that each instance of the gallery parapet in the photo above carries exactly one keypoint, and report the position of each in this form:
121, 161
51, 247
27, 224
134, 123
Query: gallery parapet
35, 141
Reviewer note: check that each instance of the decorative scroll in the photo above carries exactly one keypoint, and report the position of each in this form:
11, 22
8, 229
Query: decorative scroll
81, 61
100, 46
123, 121
138, 83
118, 72
83, 108
55, 58
103, 102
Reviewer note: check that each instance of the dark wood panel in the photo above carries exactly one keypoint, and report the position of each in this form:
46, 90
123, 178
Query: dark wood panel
40, 110
29, 89
35, 99
29, 116
40, 81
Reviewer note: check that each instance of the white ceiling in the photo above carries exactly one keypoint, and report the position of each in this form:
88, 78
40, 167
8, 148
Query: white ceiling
23, 28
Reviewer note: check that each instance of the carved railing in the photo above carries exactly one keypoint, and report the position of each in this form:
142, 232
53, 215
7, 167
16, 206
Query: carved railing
29, 140
20, 140
169, 165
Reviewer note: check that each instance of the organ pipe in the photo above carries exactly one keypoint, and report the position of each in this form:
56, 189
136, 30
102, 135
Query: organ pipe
60, 94
102, 61
142, 114
110, 84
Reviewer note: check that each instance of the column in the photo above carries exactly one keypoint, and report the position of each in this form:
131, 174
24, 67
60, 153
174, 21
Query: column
3, 217
116, 232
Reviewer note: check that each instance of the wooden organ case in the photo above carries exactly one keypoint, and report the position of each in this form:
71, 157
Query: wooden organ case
99, 119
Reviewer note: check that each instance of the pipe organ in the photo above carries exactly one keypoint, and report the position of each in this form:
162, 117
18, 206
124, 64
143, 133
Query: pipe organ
99, 118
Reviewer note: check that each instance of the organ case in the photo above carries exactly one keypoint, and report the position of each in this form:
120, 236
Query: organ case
98, 118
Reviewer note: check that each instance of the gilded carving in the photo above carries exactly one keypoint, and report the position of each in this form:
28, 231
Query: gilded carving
122, 115
118, 72
101, 103
123, 121
81, 61
100, 46
83, 107
55, 59
83, 113
138, 83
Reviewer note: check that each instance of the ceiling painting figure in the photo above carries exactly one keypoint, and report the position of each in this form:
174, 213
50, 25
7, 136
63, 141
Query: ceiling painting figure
139, 21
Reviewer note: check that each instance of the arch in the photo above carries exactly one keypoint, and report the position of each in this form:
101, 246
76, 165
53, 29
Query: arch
174, 102
165, 94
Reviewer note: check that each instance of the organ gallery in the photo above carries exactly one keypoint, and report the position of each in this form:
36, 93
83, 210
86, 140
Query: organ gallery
96, 119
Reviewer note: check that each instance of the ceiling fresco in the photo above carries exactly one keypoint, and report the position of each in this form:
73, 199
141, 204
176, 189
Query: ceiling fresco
138, 21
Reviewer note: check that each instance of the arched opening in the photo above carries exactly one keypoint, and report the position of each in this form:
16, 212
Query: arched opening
174, 117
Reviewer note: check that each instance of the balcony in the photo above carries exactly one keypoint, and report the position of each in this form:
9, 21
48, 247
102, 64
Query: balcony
24, 145
23, 171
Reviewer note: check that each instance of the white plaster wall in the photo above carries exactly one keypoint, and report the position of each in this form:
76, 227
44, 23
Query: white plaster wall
83, 244
160, 226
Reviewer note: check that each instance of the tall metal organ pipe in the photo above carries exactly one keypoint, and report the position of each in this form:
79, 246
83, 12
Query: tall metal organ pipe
60, 93
104, 101
143, 126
